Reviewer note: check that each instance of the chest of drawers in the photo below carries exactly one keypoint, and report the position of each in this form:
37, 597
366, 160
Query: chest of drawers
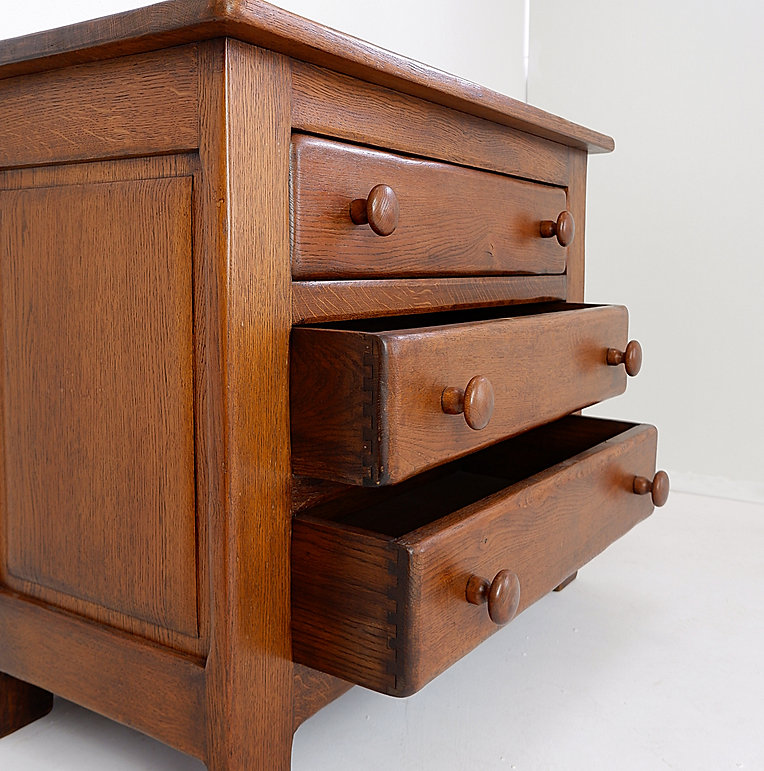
292, 334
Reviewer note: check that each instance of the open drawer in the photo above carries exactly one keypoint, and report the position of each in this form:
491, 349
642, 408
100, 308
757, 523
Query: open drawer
376, 401
381, 579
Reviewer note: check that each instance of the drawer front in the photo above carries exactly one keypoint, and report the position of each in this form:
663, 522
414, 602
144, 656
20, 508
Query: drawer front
390, 611
451, 220
368, 407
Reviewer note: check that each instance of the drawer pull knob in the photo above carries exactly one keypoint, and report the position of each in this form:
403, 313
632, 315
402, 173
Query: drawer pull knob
631, 358
564, 228
380, 210
502, 595
475, 401
658, 487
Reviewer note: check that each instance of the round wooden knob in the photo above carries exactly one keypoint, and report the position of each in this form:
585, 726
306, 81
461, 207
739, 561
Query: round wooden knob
658, 487
380, 210
631, 358
475, 401
502, 595
564, 228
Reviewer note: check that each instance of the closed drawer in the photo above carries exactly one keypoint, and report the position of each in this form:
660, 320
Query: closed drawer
380, 582
372, 402
450, 220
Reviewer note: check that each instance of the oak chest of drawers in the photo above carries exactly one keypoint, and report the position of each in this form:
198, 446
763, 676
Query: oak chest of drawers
289, 384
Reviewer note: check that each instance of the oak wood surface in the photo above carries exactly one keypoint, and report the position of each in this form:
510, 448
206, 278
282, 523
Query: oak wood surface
452, 220
379, 595
317, 301
253, 21
334, 105
83, 176
21, 704
245, 150
366, 398
135, 682
313, 690
136, 105
577, 161
97, 398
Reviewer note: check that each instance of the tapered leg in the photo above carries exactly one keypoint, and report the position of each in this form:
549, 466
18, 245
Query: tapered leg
567, 581
21, 704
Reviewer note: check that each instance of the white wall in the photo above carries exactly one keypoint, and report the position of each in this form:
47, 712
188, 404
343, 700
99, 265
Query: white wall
675, 216
447, 34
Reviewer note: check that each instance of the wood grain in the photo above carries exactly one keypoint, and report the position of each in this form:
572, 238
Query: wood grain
334, 105
366, 397
264, 25
452, 221
577, 207
98, 401
245, 150
123, 677
21, 704
314, 301
138, 105
379, 594
313, 690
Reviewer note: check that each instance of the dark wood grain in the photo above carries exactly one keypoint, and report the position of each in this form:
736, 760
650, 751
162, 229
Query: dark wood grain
379, 596
314, 301
335, 105
453, 221
136, 105
367, 398
264, 25
21, 704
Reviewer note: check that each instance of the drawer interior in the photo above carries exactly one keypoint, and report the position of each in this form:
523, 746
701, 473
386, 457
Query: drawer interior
400, 509
423, 321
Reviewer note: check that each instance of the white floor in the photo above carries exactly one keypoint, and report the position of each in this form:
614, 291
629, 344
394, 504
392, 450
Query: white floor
652, 659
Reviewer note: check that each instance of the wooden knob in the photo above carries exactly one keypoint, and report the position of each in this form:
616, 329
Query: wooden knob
475, 401
564, 228
631, 358
502, 595
380, 210
658, 488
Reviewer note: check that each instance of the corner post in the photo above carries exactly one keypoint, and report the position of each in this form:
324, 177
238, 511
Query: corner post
245, 138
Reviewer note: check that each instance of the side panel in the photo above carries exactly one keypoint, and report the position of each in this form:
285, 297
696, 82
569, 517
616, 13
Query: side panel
98, 424
133, 105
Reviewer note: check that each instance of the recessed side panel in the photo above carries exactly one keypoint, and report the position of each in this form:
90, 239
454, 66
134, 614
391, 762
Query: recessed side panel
98, 419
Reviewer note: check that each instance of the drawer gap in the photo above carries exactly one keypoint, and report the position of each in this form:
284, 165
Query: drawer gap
400, 509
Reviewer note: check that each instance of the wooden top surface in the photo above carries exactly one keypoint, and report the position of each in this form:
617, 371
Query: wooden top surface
184, 21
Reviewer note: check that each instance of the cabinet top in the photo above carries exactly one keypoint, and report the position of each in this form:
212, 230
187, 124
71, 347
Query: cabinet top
184, 21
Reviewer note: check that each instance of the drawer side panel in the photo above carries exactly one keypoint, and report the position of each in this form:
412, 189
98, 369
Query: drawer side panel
344, 603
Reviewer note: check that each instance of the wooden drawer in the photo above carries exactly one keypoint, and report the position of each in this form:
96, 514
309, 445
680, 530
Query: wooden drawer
451, 220
380, 580
367, 397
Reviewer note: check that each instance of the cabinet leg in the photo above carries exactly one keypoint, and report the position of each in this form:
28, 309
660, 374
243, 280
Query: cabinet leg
21, 704
569, 579
273, 756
